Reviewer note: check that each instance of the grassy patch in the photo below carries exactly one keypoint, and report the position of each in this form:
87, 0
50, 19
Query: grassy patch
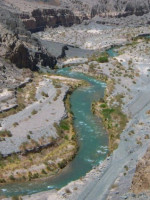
114, 121
103, 59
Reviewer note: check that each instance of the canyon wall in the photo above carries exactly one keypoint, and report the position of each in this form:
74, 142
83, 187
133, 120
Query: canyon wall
18, 46
122, 8
42, 18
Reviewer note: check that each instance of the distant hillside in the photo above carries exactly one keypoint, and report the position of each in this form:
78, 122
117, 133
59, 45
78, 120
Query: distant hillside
51, 2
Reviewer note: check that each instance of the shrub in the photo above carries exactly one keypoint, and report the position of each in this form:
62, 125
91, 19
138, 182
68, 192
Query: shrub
15, 124
11, 177
64, 125
44, 94
66, 137
107, 112
67, 190
62, 164
103, 59
28, 137
34, 112
43, 171
103, 105
5, 133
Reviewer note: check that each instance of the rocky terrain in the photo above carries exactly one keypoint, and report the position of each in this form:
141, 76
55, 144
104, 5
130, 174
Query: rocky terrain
38, 16
19, 53
34, 103
131, 77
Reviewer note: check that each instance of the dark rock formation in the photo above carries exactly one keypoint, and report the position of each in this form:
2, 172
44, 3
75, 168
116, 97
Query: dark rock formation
18, 45
42, 18
63, 53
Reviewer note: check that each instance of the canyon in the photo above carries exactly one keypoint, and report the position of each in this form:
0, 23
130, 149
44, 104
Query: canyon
106, 40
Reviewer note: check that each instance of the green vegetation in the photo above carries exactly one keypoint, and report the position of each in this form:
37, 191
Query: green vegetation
44, 94
62, 127
113, 118
34, 112
103, 59
64, 124
16, 198
15, 124
5, 133
62, 164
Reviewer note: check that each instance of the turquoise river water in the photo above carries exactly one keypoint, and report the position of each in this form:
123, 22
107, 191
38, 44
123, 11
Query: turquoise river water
93, 141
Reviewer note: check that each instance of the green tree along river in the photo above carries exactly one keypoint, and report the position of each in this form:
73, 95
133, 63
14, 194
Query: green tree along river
93, 141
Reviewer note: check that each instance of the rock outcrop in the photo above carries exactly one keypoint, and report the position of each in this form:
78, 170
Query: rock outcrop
18, 45
42, 18
37, 16
121, 8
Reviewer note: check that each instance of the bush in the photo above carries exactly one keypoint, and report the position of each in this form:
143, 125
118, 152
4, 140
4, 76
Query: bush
62, 164
15, 124
64, 125
11, 177
103, 59
43, 171
107, 112
34, 112
5, 133
44, 94
103, 105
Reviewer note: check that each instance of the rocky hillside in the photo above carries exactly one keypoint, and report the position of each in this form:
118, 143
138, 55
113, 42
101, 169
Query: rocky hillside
41, 18
18, 46
108, 8
121, 8
37, 16
20, 54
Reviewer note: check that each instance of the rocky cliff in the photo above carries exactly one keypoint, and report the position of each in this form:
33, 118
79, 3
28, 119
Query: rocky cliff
18, 46
42, 18
115, 8
37, 16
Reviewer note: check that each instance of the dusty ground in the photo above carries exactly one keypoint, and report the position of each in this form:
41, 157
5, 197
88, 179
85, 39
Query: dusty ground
91, 36
47, 111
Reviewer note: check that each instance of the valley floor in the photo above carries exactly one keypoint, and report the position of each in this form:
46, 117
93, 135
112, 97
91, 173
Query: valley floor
115, 178
128, 80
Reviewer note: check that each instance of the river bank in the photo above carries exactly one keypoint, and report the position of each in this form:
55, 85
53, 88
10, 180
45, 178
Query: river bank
41, 155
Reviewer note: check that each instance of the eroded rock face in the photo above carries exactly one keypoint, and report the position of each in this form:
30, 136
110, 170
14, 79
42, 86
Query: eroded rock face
42, 18
37, 16
121, 8
18, 45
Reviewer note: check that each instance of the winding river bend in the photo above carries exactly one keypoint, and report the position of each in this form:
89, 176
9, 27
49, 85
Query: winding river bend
91, 136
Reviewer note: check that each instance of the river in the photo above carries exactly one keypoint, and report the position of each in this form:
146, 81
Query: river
92, 138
